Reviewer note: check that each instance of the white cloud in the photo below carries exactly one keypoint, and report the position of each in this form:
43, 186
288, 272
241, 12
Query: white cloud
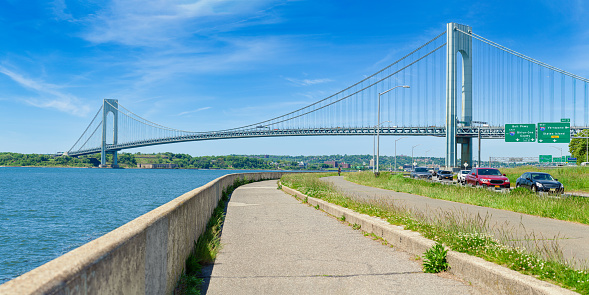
49, 95
193, 111
307, 82
159, 23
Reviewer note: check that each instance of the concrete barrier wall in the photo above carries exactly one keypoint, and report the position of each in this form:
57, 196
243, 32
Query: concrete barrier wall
144, 256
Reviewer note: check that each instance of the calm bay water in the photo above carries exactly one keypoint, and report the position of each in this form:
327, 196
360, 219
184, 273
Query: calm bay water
46, 212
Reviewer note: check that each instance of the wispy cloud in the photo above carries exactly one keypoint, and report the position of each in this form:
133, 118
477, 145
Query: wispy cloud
307, 82
49, 95
193, 111
157, 23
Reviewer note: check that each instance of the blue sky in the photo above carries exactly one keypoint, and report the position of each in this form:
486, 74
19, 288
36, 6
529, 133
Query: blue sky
212, 64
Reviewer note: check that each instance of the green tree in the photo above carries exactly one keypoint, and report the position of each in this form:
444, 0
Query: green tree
578, 146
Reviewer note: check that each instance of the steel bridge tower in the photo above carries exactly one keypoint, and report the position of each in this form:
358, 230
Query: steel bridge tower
109, 106
458, 42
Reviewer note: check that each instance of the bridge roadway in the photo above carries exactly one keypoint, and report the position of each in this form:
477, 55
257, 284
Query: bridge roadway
273, 244
573, 238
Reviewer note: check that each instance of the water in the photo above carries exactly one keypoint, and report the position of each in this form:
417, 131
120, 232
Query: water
46, 212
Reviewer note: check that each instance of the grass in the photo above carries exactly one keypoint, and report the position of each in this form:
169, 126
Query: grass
460, 232
434, 259
573, 178
574, 209
207, 247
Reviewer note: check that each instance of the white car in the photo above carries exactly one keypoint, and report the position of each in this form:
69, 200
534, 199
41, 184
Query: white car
461, 176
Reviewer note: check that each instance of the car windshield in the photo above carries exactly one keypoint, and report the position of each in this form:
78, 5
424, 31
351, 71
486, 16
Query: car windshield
541, 176
489, 172
420, 169
464, 171
445, 172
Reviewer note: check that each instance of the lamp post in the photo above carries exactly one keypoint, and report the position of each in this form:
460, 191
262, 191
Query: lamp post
378, 130
479, 130
374, 149
560, 149
413, 161
396, 151
426, 157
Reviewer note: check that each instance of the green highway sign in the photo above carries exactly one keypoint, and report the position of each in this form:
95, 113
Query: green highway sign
520, 132
545, 159
565, 120
554, 132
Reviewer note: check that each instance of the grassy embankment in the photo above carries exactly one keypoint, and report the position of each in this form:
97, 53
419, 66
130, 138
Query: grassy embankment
519, 200
459, 232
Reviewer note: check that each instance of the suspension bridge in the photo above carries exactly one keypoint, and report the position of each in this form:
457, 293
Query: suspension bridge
474, 79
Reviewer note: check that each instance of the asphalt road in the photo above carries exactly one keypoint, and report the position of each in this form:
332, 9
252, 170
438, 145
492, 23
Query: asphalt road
273, 244
573, 238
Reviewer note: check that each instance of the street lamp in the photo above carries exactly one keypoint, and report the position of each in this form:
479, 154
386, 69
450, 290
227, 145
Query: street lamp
426, 157
413, 161
396, 151
378, 130
374, 148
560, 149
479, 129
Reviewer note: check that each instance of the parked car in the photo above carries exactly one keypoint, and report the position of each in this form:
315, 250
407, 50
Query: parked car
540, 182
421, 172
445, 174
487, 177
461, 177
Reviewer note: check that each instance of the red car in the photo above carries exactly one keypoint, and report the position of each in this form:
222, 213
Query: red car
487, 177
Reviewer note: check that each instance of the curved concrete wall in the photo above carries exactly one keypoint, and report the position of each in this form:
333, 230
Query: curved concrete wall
144, 256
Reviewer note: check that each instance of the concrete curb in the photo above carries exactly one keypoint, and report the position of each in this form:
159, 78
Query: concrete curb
493, 278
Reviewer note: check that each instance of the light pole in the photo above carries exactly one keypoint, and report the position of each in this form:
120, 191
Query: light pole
413, 161
426, 157
396, 151
479, 129
560, 149
378, 130
375, 165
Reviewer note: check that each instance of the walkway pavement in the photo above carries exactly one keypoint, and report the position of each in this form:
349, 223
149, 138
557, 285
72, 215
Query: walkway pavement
573, 237
273, 244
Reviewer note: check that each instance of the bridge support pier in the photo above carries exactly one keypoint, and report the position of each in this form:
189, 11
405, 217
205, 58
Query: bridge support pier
109, 106
458, 42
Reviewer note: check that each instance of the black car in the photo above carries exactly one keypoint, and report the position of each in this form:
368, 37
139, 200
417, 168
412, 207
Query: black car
539, 182
444, 174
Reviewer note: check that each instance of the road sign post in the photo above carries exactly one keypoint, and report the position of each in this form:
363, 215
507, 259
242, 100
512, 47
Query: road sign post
554, 132
520, 133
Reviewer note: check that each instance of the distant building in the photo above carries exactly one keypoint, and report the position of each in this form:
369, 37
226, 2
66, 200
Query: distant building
345, 166
371, 163
302, 164
157, 166
332, 164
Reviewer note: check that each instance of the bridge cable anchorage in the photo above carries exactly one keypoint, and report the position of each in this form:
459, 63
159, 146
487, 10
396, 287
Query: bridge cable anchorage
348, 88
100, 109
480, 38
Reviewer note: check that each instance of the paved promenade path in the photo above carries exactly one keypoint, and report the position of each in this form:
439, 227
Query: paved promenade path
573, 237
273, 244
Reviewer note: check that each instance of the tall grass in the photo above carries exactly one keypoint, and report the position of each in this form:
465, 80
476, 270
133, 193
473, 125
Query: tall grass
573, 178
518, 200
460, 232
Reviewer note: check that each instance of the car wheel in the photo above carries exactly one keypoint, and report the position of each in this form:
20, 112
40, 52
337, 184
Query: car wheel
516, 185
484, 186
534, 189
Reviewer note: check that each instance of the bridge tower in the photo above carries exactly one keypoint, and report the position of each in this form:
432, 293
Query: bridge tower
109, 106
458, 42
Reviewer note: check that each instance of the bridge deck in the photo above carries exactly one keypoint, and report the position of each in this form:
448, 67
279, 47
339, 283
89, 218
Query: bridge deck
273, 244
